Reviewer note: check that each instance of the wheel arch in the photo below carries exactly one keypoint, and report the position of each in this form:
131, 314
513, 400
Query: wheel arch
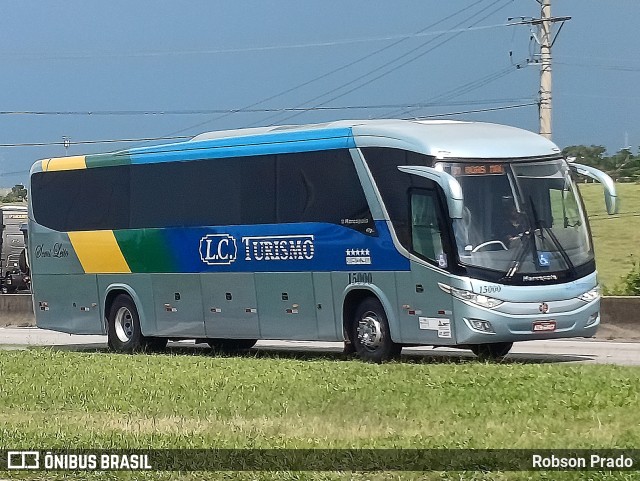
114, 290
354, 295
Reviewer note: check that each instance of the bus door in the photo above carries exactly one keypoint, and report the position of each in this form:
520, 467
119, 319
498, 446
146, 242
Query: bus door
426, 311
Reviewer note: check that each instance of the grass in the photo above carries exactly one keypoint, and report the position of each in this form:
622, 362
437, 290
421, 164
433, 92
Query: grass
53, 399
616, 238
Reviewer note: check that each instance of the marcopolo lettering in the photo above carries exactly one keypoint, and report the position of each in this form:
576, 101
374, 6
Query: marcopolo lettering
279, 248
218, 249
549, 277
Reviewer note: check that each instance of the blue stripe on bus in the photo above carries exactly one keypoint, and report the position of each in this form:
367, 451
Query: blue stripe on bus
271, 143
303, 247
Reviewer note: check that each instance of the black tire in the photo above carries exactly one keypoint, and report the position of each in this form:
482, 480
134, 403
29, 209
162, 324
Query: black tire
22, 262
348, 349
370, 334
123, 328
492, 352
8, 286
230, 345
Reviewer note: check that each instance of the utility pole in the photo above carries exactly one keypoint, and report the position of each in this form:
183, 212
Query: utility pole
66, 142
545, 40
544, 37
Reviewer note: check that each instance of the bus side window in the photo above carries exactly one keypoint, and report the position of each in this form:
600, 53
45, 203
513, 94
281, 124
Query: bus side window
426, 232
322, 186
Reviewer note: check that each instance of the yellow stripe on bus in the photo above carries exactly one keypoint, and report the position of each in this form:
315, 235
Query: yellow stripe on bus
98, 252
64, 163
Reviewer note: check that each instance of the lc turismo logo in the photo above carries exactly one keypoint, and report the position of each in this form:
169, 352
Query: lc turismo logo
222, 249
218, 249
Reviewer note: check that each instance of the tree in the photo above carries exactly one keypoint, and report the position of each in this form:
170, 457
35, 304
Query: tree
593, 155
18, 194
623, 165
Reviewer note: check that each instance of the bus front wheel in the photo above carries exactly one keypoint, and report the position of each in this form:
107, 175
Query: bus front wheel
370, 333
123, 329
492, 352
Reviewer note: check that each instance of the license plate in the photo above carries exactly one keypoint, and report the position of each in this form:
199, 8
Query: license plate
544, 326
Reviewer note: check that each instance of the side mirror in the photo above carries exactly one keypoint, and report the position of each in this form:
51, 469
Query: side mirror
450, 185
610, 196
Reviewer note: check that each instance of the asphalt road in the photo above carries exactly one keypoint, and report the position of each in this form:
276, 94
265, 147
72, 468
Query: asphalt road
576, 351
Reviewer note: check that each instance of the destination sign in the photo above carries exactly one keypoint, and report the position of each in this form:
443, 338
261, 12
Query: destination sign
477, 169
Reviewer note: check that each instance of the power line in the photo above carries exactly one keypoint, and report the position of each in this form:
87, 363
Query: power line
463, 112
615, 68
9, 174
150, 139
413, 54
88, 142
457, 91
334, 71
592, 57
89, 113
383, 66
332, 43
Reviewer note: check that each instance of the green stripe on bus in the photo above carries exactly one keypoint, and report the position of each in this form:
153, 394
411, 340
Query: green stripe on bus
103, 160
146, 250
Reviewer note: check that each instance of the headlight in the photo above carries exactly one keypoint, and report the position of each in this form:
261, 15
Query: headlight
472, 297
591, 295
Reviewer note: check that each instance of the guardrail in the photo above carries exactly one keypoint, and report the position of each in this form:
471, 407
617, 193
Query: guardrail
620, 315
16, 310
620, 318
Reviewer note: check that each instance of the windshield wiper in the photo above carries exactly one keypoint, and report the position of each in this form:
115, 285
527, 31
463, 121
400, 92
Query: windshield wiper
530, 236
520, 255
537, 224
552, 236
561, 250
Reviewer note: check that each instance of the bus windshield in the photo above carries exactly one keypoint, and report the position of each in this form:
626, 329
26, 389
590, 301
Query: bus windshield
520, 217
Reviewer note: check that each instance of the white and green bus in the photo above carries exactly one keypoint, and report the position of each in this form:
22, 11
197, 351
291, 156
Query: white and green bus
378, 233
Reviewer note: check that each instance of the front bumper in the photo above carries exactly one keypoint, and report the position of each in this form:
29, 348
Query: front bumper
525, 322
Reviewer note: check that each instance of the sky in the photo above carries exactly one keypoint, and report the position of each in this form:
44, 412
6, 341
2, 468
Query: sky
107, 75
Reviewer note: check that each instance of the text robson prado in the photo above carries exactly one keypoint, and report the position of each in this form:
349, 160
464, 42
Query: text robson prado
593, 461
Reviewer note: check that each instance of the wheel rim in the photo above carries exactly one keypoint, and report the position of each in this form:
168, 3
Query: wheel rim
124, 324
370, 331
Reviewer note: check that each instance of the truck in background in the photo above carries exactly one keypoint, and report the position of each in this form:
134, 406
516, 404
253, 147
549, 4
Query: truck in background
12, 249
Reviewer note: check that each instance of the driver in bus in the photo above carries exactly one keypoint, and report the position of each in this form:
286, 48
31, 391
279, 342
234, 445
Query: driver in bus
512, 227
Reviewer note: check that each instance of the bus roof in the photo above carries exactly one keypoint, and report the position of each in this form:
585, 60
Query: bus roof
443, 139
438, 138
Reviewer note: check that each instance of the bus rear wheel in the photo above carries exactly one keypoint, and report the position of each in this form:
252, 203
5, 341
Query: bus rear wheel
370, 333
492, 352
123, 328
